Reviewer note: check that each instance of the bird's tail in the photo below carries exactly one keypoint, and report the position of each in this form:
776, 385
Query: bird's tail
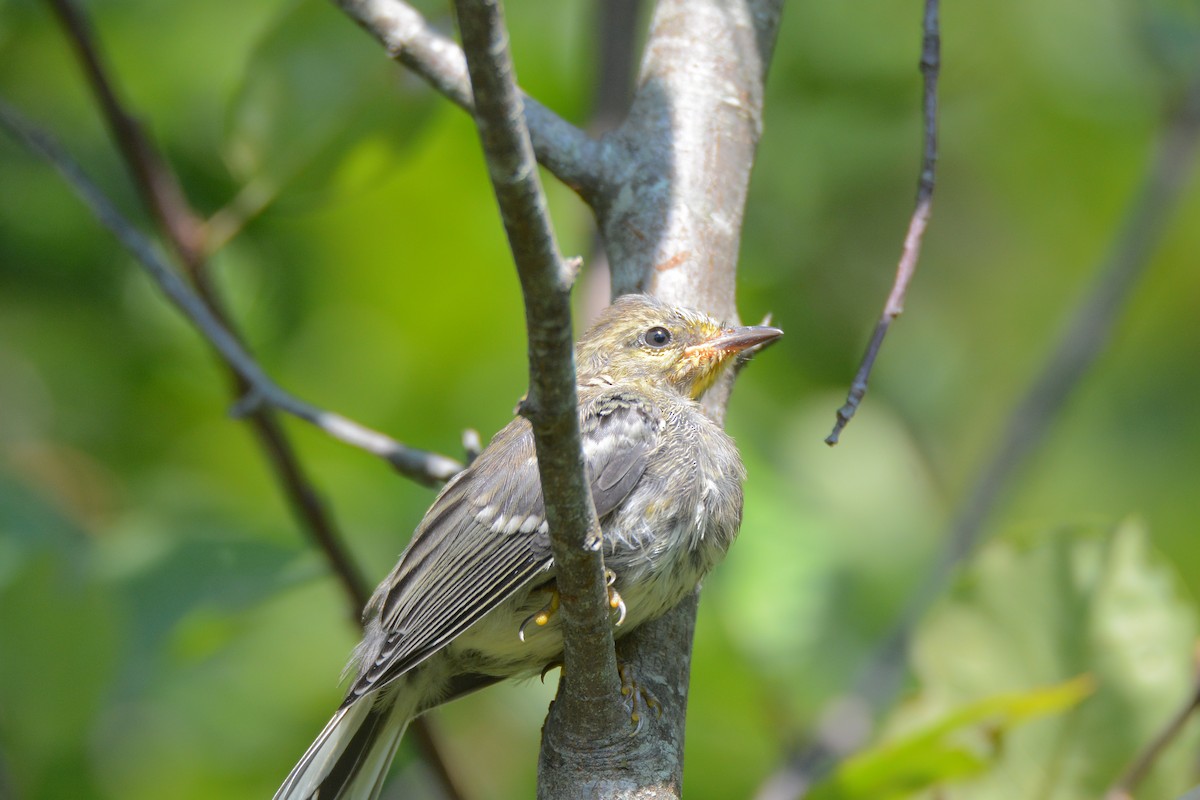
351, 756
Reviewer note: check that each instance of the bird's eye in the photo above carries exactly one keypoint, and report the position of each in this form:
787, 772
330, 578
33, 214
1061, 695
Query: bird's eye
658, 337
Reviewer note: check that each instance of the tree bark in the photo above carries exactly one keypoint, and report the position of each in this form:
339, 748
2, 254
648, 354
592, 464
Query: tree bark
670, 207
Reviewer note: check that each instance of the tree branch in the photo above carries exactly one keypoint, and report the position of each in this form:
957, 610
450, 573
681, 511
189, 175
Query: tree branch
1083, 340
677, 170
930, 64
163, 197
424, 467
670, 208
590, 697
562, 148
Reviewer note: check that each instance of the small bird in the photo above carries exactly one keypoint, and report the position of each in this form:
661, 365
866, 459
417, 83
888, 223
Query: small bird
472, 599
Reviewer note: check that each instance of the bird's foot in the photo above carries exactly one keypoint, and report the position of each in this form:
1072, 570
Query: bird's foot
614, 597
637, 699
542, 616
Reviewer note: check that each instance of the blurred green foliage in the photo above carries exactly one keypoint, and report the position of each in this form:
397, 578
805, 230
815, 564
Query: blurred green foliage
166, 631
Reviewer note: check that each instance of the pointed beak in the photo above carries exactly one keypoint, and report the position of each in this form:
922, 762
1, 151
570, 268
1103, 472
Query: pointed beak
732, 341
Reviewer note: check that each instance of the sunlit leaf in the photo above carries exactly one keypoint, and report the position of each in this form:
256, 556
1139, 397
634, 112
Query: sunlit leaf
1062, 604
962, 743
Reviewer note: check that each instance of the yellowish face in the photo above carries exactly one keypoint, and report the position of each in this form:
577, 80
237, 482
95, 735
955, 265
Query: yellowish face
700, 364
642, 340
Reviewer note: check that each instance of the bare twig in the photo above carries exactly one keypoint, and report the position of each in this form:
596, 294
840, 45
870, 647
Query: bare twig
1127, 784
1083, 339
425, 467
408, 37
591, 695
930, 63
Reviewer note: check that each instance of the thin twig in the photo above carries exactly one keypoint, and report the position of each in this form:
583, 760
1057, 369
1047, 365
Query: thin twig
590, 697
408, 37
930, 64
1127, 784
163, 196
428, 468
1083, 340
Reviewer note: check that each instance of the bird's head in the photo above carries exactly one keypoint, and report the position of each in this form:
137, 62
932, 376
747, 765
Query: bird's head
642, 339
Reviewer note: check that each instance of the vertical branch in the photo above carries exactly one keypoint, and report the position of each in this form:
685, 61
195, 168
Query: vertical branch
907, 267
670, 205
590, 697
678, 169
616, 22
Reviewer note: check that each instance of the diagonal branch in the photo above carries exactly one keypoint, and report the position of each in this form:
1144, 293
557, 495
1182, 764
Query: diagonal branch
262, 394
427, 468
590, 698
907, 267
183, 229
562, 148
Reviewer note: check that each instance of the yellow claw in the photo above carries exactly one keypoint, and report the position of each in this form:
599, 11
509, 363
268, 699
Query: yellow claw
614, 597
542, 617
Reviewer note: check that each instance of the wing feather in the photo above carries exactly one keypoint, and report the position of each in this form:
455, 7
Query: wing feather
485, 536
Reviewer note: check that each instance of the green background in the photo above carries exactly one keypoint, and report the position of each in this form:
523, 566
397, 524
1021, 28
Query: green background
166, 631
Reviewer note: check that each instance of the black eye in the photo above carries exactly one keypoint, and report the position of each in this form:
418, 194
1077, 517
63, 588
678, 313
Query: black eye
658, 337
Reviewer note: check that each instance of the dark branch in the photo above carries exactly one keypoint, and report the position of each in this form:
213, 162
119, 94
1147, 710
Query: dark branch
190, 238
616, 22
930, 63
590, 695
427, 468
163, 197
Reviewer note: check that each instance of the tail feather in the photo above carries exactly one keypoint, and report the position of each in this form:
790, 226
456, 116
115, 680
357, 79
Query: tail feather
351, 756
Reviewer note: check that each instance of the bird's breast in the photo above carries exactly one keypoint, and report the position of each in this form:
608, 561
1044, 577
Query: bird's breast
679, 521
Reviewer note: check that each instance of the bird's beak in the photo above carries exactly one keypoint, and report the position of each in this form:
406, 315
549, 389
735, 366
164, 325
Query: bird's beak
732, 341
706, 360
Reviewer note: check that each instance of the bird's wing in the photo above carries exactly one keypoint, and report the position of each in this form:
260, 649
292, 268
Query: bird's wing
486, 535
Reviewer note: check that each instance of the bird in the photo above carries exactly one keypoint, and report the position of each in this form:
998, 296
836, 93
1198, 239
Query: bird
471, 600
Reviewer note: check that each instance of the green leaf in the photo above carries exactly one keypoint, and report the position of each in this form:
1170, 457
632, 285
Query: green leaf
1028, 613
962, 743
